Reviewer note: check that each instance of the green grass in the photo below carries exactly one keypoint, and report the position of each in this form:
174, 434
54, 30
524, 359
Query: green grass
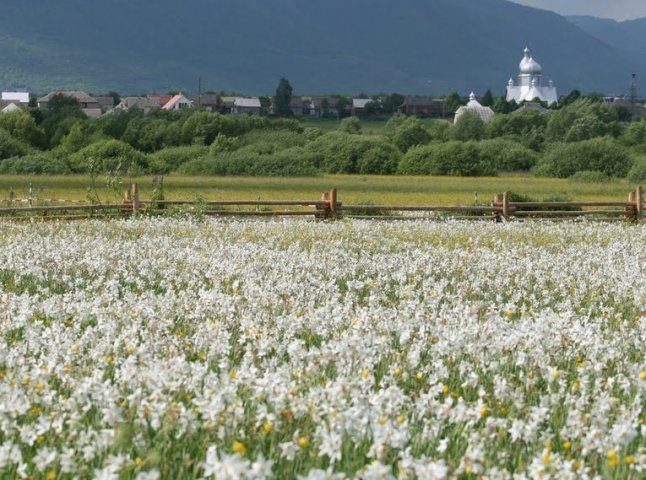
404, 190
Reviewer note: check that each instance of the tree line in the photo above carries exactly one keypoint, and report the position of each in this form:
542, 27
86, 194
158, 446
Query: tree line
584, 138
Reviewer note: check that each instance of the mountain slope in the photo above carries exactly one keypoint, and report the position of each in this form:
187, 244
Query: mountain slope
346, 46
629, 35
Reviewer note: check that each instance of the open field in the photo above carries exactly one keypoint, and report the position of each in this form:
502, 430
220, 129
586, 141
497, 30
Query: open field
169, 348
352, 188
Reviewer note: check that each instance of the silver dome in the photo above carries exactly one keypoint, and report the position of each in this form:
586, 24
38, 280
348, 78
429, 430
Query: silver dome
529, 66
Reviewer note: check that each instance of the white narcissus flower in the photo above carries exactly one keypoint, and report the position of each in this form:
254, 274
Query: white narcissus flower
393, 342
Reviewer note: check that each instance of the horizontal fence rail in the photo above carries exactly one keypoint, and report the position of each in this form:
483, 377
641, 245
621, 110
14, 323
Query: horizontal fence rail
329, 207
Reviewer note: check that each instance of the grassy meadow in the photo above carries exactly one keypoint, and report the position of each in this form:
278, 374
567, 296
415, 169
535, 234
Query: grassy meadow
407, 190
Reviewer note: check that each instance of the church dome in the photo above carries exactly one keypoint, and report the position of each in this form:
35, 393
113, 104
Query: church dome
529, 66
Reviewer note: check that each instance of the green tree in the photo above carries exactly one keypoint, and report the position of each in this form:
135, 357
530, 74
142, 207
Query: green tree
59, 117
391, 102
411, 133
501, 105
265, 104
582, 120
604, 155
283, 98
468, 127
350, 125
487, 99
452, 103
343, 106
22, 126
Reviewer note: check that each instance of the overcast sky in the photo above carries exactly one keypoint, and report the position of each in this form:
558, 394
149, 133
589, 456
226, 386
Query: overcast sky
618, 9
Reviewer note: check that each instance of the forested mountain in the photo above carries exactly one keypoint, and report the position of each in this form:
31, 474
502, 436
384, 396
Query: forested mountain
344, 46
629, 35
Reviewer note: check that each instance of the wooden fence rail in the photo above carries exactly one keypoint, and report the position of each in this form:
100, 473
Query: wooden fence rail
329, 207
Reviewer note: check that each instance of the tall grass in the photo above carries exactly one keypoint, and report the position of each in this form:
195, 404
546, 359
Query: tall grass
351, 188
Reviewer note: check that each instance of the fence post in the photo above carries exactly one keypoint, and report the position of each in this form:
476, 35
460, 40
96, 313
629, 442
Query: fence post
631, 207
333, 202
505, 204
497, 202
323, 211
135, 198
639, 202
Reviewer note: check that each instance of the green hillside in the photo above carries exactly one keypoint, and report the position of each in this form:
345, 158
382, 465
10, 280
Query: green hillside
411, 46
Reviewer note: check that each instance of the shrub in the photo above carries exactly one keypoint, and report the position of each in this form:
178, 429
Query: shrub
35, 164
109, 156
638, 172
582, 120
10, 146
599, 154
224, 143
379, 160
410, 133
468, 127
588, 176
506, 155
351, 125
635, 133
258, 160
202, 128
23, 128
345, 153
280, 138
450, 158
170, 159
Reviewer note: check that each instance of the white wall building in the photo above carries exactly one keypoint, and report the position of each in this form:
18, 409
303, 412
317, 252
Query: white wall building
530, 83
485, 113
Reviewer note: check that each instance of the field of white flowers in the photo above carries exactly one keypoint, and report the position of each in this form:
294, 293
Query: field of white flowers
174, 348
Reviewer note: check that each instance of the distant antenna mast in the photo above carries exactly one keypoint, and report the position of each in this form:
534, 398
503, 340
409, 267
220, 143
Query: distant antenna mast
199, 93
633, 96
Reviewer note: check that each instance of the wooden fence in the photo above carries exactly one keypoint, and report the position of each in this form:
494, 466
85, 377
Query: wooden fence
501, 209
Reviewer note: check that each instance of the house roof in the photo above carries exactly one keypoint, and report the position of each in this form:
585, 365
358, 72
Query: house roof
107, 102
204, 99
161, 100
12, 107
179, 98
331, 101
140, 102
361, 102
227, 101
419, 101
82, 97
247, 102
22, 97
296, 102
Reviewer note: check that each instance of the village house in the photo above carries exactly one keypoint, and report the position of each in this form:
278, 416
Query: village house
359, 105
296, 106
144, 104
420, 106
322, 107
242, 105
89, 105
205, 101
178, 102
18, 98
12, 101
105, 103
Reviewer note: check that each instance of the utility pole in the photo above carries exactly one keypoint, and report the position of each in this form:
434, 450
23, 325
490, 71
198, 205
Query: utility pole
633, 97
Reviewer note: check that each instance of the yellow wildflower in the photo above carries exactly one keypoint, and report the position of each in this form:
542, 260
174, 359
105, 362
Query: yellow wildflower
239, 447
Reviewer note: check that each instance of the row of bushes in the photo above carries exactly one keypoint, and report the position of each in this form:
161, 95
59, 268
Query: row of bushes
286, 153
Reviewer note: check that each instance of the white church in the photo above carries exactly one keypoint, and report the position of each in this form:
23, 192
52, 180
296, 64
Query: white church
530, 83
